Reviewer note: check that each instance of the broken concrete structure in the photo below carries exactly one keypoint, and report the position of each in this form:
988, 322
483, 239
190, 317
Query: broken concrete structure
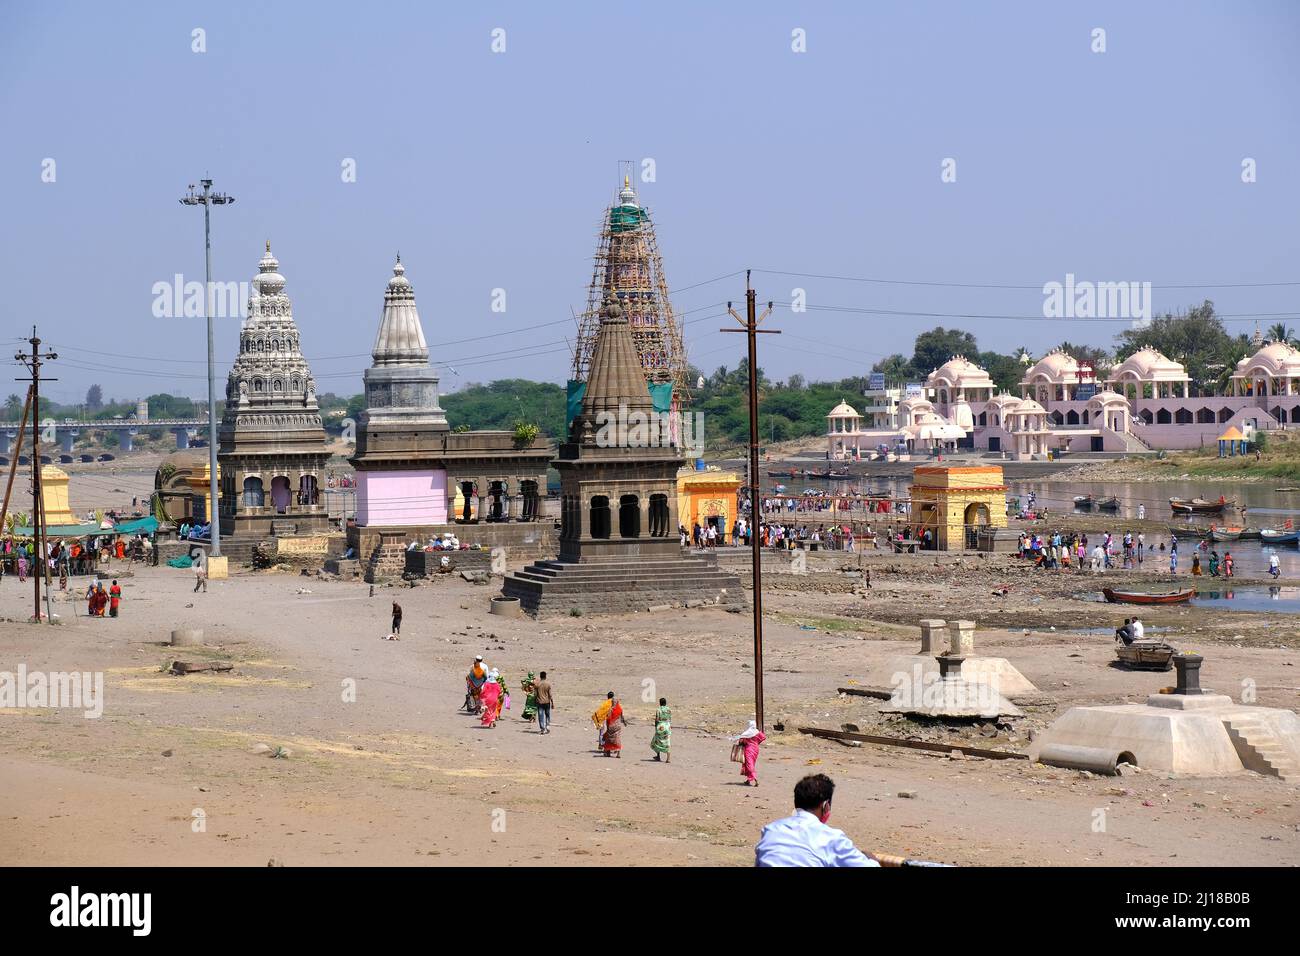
1187, 731
947, 695
956, 638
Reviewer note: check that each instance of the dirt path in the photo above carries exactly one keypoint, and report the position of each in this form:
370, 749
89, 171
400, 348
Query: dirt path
399, 776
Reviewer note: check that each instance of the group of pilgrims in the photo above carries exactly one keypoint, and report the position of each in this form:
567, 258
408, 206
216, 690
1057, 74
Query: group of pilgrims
487, 696
1063, 551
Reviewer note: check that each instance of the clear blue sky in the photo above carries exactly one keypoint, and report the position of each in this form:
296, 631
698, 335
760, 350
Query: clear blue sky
491, 170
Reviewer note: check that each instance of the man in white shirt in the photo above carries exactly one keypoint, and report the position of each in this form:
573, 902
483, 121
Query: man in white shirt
803, 838
1139, 631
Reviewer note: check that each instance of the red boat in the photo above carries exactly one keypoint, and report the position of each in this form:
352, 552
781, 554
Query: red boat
1139, 597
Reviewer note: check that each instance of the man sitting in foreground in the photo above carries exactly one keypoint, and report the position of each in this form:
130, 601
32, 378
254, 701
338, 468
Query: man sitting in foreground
803, 838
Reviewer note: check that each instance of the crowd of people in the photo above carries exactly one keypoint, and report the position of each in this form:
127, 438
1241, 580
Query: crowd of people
1058, 550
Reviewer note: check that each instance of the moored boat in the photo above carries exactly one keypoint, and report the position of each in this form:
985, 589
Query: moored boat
1115, 596
1225, 534
1146, 655
1188, 531
1198, 506
1083, 501
1270, 536
1108, 504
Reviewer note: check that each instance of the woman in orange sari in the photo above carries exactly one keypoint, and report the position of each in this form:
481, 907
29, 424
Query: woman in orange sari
612, 743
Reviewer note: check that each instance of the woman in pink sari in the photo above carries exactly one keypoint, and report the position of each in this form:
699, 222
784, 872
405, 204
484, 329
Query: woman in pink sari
612, 741
490, 697
749, 742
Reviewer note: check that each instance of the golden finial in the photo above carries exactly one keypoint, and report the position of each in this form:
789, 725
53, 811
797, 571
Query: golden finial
627, 182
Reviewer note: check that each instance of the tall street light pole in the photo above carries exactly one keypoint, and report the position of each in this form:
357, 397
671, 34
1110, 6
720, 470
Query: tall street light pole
749, 325
207, 199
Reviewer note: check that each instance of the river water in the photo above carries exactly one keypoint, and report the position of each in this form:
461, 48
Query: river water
1265, 506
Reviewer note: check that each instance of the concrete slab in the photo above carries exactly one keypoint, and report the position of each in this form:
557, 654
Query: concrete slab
1000, 673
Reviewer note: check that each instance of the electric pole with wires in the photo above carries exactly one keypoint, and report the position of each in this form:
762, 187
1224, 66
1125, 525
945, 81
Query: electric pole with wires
33, 361
749, 325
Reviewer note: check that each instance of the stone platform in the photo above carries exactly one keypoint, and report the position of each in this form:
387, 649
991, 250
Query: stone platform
618, 586
1205, 735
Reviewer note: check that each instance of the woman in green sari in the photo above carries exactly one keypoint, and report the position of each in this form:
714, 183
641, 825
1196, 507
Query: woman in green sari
662, 740
530, 702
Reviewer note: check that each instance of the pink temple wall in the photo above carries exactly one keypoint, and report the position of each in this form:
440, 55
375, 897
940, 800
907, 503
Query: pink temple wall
402, 498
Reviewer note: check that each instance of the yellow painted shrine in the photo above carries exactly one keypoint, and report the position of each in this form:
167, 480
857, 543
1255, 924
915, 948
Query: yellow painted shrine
702, 495
947, 499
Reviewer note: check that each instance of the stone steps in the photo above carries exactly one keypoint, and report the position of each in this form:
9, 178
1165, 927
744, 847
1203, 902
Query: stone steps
1260, 750
619, 586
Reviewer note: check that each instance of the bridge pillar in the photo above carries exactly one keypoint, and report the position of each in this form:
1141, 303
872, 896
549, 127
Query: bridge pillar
66, 438
127, 436
182, 437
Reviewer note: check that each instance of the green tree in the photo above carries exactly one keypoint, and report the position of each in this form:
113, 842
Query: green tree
1197, 339
13, 407
94, 398
1281, 332
936, 346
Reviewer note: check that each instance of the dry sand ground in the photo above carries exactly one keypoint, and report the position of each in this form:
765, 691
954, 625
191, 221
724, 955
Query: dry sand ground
399, 776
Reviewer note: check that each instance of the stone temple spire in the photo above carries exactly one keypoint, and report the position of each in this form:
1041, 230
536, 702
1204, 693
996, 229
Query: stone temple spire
401, 339
401, 386
616, 378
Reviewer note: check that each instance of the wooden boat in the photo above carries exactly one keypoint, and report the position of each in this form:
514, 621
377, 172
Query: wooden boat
1108, 504
1139, 597
1250, 534
1198, 506
1188, 531
1225, 534
832, 475
1083, 501
1146, 655
1269, 536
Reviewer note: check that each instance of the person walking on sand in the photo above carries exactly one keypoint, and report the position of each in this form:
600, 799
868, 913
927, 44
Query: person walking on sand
397, 620
746, 752
542, 692
200, 577
661, 742
600, 717
490, 697
114, 599
612, 743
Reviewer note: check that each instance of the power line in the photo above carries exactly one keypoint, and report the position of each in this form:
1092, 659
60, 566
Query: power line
1034, 288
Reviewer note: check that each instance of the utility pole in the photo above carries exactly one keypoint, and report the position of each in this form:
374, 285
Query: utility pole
207, 199
33, 363
749, 325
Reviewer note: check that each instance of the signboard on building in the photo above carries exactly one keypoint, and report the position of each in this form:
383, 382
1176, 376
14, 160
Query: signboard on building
876, 382
913, 390
1084, 391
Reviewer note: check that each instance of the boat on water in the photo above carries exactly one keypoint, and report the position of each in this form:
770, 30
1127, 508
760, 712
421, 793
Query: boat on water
1146, 655
1198, 506
832, 475
1225, 534
1108, 504
1115, 596
1083, 501
1270, 536
1189, 531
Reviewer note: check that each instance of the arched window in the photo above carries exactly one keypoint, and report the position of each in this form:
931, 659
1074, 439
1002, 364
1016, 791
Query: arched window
258, 385
629, 517
277, 385
658, 516
599, 516
1163, 417
254, 494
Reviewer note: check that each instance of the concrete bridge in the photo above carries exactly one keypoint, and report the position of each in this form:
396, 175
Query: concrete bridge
68, 430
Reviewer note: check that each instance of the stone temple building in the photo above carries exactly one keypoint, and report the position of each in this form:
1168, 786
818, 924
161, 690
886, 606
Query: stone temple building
271, 450
416, 478
619, 545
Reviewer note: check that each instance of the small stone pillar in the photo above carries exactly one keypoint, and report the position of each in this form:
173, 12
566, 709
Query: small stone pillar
963, 638
950, 666
934, 637
1188, 667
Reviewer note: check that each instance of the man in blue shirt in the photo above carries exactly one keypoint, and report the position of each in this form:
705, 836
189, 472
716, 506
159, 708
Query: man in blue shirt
803, 838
